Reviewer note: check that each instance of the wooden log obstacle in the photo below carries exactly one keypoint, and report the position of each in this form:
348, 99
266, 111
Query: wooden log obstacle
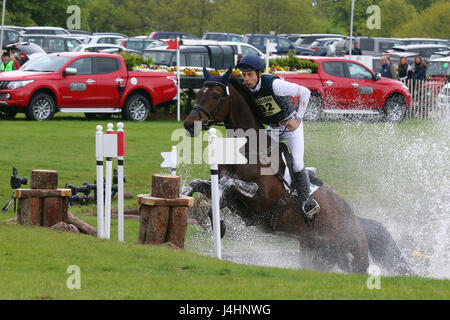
164, 212
43, 204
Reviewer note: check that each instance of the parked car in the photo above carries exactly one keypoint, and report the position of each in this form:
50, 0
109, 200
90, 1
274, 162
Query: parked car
410, 41
25, 51
164, 35
305, 40
210, 56
138, 44
369, 46
343, 86
79, 32
440, 54
439, 69
223, 36
243, 49
45, 30
424, 50
325, 46
97, 47
283, 46
104, 39
53, 43
110, 34
10, 36
83, 82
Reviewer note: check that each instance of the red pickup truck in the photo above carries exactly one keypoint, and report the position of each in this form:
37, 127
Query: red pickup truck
343, 86
93, 83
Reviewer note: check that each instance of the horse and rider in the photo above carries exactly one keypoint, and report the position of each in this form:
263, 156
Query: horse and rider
336, 236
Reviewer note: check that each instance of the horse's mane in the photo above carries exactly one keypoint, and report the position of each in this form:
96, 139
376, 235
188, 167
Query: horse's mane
248, 97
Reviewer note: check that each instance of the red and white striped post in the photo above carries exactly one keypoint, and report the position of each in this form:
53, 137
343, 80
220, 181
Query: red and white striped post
110, 145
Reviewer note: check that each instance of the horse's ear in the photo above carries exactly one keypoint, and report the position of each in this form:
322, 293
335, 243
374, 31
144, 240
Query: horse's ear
227, 75
206, 74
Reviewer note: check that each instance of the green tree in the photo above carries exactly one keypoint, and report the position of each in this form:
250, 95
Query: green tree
390, 13
433, 22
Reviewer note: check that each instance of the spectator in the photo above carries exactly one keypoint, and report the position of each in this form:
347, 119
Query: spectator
356, 51
403, 69
393, 69
14, 57
420, 69
385, 68
7, 64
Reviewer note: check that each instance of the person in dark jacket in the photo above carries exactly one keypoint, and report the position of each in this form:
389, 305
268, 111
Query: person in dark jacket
403, 69
419, 70
385, 68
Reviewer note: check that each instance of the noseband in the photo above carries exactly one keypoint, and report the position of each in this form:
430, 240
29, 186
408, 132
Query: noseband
210, 120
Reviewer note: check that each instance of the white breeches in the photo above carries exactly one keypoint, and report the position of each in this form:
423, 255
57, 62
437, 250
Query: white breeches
294, 140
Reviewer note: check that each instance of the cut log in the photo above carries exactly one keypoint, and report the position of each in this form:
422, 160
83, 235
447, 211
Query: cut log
44, 179
41, 193
81, 225
165, 186
29, 212
176, 229
182, 201
153, 224
54, 210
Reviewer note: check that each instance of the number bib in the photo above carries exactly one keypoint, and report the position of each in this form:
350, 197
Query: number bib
268, 106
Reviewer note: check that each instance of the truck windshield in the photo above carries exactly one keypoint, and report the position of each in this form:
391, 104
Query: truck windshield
46, 64
159, 57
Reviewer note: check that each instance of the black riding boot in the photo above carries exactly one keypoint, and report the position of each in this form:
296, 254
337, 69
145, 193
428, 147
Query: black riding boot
300, 182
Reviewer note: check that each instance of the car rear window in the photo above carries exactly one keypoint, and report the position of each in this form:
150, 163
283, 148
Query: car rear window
105, 65
334, 68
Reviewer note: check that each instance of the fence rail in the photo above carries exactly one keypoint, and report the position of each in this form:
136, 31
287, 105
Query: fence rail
429, 99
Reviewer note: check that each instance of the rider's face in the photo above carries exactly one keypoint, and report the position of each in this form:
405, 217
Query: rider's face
251, 78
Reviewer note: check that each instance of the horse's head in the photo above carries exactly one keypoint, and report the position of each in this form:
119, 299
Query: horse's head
212, 104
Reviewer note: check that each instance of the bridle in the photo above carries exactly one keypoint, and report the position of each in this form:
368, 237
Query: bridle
210, 120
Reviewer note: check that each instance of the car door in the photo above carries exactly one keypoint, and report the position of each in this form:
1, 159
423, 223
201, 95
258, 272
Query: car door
363, 88
106, 75
78, 90
335, 85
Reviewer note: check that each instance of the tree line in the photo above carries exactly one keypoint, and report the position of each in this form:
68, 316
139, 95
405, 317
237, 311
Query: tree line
398, 18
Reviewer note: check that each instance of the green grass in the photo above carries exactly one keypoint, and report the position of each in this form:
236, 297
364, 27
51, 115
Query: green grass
355, 158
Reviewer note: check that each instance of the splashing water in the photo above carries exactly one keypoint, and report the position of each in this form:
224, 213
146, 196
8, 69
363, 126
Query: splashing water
399, 177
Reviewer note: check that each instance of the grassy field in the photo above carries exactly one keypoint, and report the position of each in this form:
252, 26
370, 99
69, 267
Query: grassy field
353, 157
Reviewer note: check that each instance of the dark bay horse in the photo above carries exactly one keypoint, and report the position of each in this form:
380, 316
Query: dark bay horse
337, 236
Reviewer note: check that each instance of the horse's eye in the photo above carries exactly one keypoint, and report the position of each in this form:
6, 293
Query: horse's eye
216, 97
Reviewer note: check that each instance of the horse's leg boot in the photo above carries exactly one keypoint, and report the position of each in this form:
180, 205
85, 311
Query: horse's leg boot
300, 182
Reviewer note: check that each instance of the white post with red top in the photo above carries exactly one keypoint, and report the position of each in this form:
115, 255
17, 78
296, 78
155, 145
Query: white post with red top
109, 145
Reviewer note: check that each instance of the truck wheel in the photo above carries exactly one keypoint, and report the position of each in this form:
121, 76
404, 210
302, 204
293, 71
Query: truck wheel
137, 108
41, 107
394, 108
314, 109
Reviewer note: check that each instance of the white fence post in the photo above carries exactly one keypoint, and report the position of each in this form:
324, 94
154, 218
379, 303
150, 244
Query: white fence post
215, 194
110, 145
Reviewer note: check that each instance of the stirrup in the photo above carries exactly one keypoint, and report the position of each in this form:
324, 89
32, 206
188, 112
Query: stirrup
310, 214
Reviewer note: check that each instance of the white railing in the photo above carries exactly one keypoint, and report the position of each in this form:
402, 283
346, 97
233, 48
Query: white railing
429, 99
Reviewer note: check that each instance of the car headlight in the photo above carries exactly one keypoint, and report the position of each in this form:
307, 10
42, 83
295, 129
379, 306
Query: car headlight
18, 84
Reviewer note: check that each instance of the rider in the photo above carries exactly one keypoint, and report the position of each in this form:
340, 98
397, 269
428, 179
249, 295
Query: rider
272, 96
